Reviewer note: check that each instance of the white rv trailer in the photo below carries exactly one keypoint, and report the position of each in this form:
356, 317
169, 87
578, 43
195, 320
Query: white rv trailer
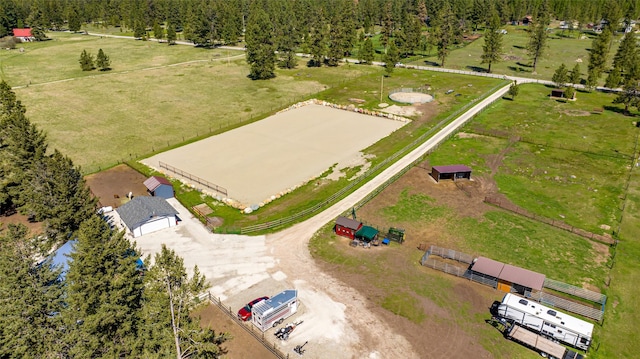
271, 312
545, 321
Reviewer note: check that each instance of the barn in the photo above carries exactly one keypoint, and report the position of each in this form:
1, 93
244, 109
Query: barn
507, 278
347, 227
143, 215
159, 187
453, 172
23, 34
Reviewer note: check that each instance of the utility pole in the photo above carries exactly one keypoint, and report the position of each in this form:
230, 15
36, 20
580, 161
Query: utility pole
381, 87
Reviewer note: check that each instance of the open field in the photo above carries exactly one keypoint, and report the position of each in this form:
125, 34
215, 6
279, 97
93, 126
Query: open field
283, 151
516, 62
593, 172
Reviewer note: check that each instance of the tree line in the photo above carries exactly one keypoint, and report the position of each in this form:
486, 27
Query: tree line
106, 304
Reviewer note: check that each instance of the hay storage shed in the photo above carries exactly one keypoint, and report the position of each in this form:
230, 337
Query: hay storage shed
347, 227
143, 215
367, 233
507, 278
159, 187
453, 172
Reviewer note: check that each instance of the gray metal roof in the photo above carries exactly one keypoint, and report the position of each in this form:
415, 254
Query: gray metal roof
141, 209
275, 301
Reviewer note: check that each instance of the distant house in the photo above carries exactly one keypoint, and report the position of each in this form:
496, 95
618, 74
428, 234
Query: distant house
159, 187
347, 227
143, 215
527, 20
23, 34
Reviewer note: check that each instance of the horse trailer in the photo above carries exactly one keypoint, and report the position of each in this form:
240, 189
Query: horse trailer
544, 321
271, 312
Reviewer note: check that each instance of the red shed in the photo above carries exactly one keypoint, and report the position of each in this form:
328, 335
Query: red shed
23, 34
347, 227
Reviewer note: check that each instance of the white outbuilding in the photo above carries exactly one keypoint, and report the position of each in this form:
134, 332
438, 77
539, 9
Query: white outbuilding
144, 215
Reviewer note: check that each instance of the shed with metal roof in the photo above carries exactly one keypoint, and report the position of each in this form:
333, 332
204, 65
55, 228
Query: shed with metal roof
159, 187
347, 227
453, 172
506, 277
144, 215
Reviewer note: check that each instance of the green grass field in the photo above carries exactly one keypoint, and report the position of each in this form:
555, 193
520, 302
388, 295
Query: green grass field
561, 49
570, 171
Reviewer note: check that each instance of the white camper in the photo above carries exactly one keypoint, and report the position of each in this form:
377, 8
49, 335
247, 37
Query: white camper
271, 312
545, 321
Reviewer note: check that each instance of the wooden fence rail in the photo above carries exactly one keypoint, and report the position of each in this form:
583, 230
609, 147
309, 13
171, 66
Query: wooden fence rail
194, 178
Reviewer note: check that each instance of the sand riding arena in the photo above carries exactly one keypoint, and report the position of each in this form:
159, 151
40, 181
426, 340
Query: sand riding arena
255, 164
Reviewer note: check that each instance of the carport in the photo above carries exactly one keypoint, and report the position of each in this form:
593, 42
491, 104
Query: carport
453, 172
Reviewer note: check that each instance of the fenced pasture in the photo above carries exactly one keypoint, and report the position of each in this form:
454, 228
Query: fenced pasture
563, 48
266, 159
155, 96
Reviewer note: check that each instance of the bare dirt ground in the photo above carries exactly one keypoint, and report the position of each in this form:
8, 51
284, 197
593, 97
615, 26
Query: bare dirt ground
35, 228
112, 186
282, 151
242, 345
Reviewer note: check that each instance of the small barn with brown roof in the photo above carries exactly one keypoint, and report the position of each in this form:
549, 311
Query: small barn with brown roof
159, 187
347, 227
506, 277
453, 172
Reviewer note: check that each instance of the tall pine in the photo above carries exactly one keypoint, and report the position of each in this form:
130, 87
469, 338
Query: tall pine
492, 48
261, 47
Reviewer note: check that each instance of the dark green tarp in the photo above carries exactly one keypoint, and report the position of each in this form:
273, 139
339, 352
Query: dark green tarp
367, 233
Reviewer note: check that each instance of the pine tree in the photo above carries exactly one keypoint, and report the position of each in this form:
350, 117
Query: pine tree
169, 296
513, 90
317, 40
75, 23
446, 31
260, 45
139, 31
86, 61
102, 61
57, 195
391, 58
171, 34
627, 55
574, 78
630, 95
614, 79
366, 53
537, 41
386, 32
561, 76
598, 55
104, 293
492, 48
31, 298
158, 31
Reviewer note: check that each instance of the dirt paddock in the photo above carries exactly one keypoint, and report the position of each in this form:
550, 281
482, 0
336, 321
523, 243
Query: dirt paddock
112, 186
269, 157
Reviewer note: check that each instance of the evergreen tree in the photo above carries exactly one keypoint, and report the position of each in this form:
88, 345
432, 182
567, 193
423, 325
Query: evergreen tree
386, 32
57, 195
341, 34
169, 296
158, 32
75, 23
630, 95
492, 48
260, 45
627, 55
614, 79
317, 40
561, 76
569, 93
537, 41
139, 31
171, 34
102, 61
479, 14
513, 90
104, 293
598, 55
574, 78
391, 58
30, 298
287, 36
86, 61
446, 31
366, 53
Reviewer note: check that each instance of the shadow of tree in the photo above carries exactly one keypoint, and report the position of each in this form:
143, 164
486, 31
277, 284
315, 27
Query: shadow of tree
476, 68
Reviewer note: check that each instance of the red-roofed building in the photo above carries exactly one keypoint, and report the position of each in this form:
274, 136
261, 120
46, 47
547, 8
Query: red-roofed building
159, 187
23, 34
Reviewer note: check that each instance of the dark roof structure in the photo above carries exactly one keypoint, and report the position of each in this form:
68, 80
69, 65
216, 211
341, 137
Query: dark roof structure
509, 273
452, 168
154, 182
367, 232
348, 223
141, 209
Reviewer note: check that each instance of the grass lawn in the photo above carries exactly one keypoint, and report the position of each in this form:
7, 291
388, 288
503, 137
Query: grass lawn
561, 49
